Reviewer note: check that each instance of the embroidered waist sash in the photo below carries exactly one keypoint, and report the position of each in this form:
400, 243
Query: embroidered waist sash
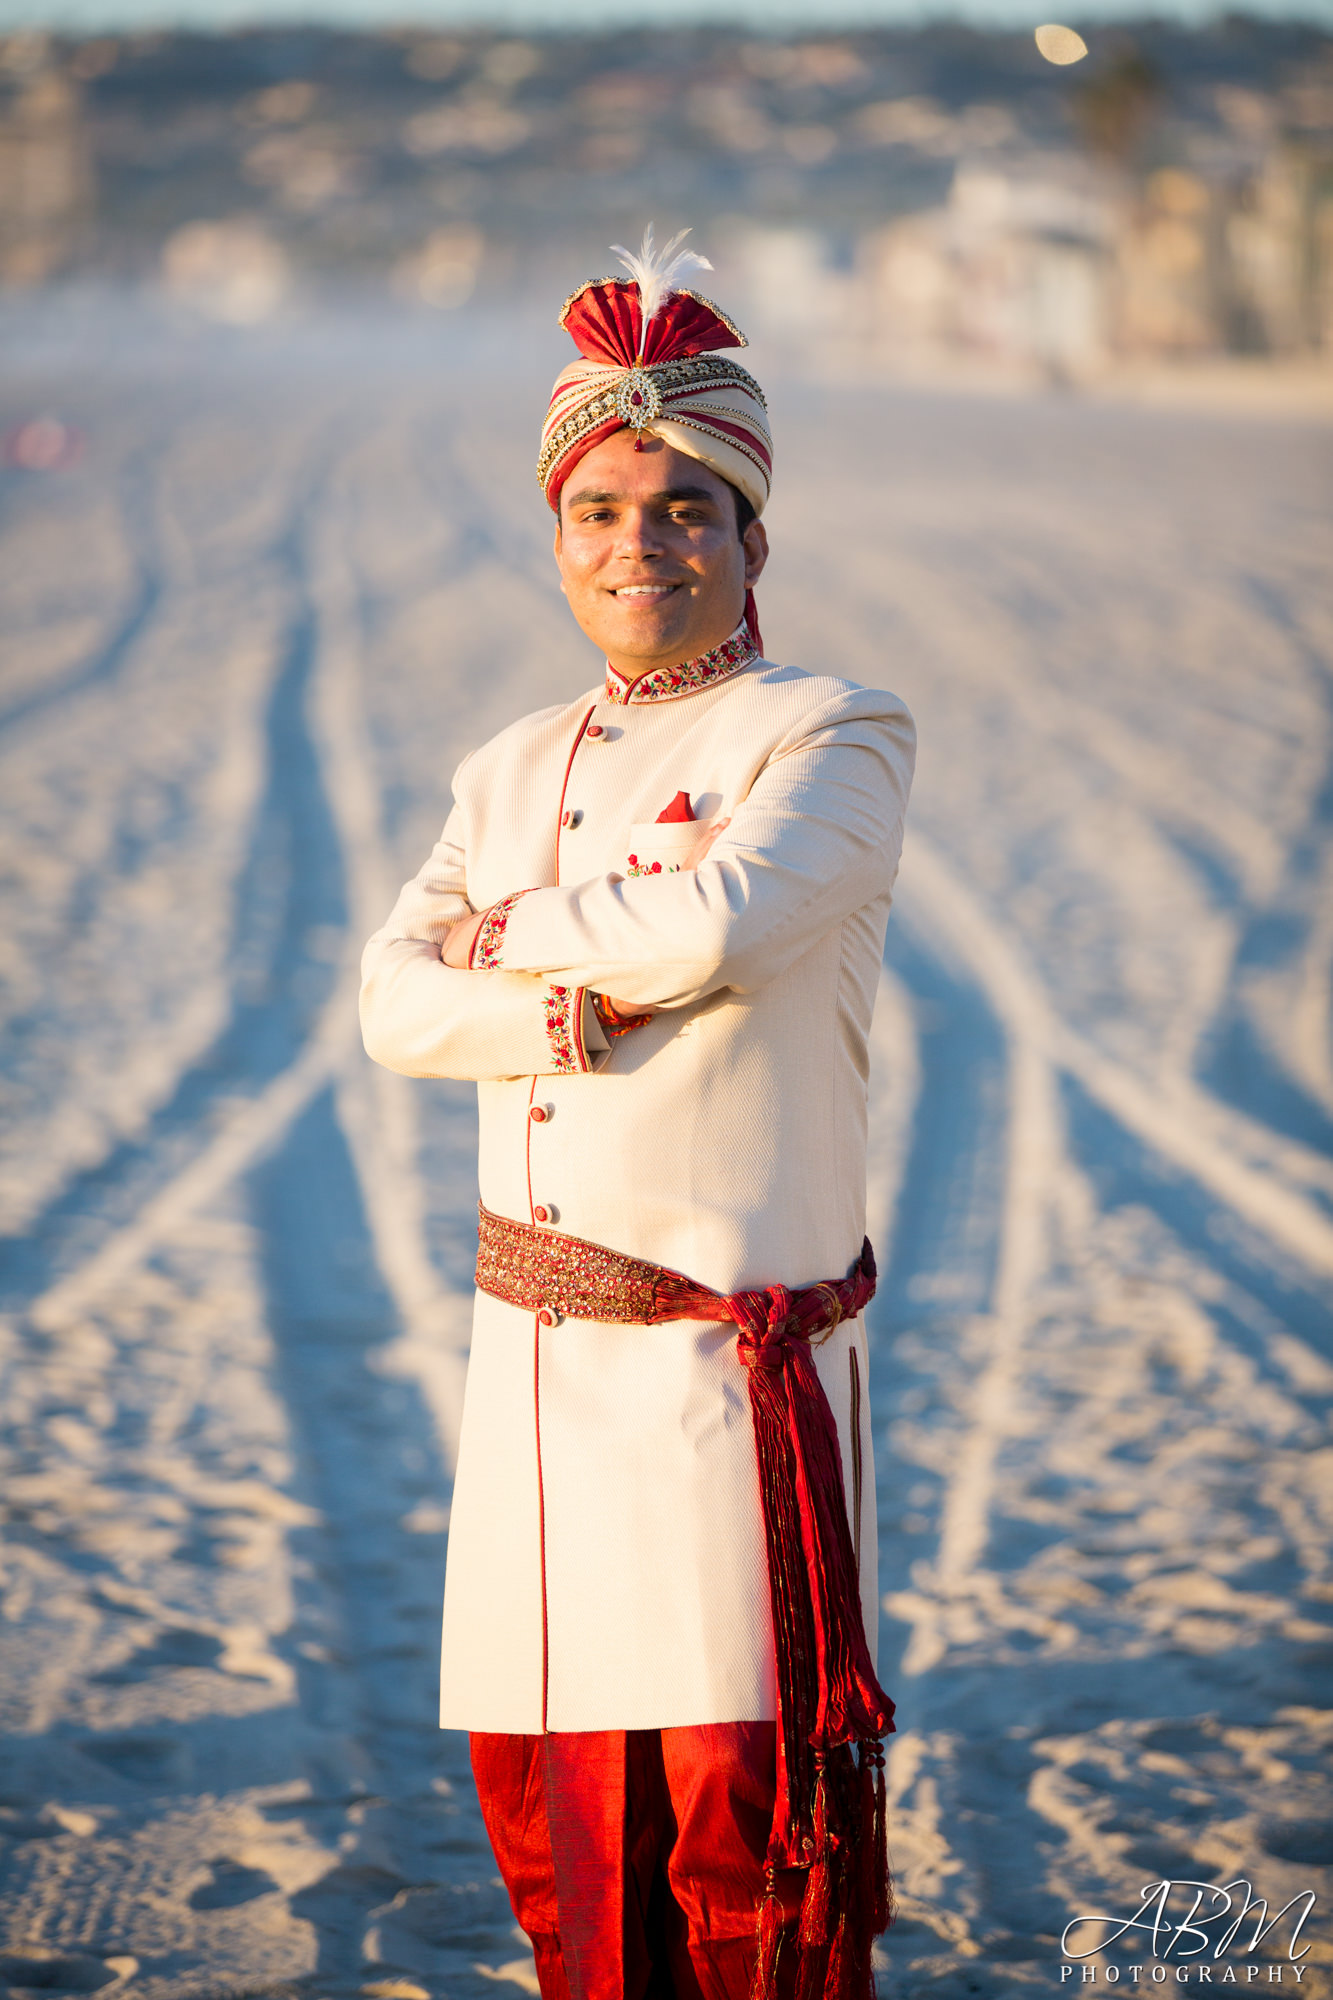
829, 1816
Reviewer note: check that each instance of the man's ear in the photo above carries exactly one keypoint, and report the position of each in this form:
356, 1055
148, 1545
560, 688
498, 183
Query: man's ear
755, 543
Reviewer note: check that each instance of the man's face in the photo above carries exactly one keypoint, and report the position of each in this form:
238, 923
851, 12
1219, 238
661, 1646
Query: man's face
649, 557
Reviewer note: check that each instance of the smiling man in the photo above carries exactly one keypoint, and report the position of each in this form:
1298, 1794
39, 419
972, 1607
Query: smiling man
652, 932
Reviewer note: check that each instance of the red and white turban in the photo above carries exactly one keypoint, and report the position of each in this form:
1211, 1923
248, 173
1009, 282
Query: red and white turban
649, 364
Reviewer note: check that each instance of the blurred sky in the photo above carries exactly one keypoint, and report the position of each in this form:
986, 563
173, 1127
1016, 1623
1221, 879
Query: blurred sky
804, 16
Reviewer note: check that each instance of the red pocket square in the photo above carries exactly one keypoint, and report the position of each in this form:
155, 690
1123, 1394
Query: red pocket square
678, 811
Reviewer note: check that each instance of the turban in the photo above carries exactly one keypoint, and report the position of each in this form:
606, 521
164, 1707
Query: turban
648, 363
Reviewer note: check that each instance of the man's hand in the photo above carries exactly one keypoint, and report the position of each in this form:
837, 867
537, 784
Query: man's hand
693, 857
457, 947
700, 849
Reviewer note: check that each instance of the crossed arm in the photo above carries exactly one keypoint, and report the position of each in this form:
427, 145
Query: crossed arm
816, 838
461, 942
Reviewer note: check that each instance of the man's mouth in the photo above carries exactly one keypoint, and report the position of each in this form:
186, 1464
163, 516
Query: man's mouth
644, 593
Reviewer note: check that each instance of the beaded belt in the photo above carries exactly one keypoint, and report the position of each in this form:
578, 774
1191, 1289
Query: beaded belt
556, 1276
830, 1807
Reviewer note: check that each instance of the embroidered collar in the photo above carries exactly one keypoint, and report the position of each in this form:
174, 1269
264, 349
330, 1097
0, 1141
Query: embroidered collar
666, 683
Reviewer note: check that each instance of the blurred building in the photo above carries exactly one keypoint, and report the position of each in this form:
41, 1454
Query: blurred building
1014, 269
920, 198
232, 271
46, 176
1167, 268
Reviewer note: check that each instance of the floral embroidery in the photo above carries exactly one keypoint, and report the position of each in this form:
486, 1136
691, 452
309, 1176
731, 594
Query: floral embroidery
488, 944
637, 867
666, 683
563, 1006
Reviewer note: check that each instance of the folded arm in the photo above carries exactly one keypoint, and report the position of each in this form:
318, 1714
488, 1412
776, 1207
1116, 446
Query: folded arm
424, 1018
817, 837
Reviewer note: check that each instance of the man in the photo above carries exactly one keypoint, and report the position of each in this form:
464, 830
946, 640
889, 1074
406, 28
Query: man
652, 932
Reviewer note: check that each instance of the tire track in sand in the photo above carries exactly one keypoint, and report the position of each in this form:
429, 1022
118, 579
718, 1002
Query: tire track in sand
368, 1343
269, 1055
377, 1110
1056, 1518
1038, 1181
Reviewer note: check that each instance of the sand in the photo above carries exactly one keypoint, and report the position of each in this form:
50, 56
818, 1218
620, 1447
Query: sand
296, 573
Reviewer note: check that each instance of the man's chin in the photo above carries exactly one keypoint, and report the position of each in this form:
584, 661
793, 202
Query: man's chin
658, 632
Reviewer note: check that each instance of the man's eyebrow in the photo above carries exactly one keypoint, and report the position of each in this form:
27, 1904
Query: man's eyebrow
594, 497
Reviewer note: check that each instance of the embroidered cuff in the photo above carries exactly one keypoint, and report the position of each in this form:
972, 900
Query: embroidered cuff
488, 945
566, 1024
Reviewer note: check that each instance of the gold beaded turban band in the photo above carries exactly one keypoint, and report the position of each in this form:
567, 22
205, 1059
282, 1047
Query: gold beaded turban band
649, 364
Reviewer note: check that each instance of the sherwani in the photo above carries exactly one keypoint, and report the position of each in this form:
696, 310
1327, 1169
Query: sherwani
606, 1565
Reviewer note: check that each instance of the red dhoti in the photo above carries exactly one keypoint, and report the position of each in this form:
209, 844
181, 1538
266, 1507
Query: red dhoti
634, 1860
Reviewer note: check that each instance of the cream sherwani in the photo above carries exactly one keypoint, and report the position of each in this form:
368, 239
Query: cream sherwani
606, 1561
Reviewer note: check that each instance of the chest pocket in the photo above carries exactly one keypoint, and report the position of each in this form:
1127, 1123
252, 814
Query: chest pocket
662, 849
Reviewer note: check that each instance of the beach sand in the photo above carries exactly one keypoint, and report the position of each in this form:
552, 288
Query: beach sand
292, 575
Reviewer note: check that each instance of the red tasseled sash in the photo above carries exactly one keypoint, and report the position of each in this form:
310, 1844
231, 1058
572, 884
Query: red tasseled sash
830, 1813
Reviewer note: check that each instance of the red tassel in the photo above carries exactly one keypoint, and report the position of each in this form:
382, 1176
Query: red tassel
817, 1903
871, 1840
828, 1818
881, 1906
752, 622
863, 1859
764, 1985
838, 1980
850, 1976
811, 1982
815, 1907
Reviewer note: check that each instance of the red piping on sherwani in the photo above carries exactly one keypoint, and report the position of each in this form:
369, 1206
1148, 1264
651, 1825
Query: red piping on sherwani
527, 1145
541, 1497
536, 1323
537, 1418
560, 809
858, 1471
580, 995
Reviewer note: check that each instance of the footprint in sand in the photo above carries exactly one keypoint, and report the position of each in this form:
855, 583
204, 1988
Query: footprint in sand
45, 1823
177, 1646
230, 1884
147, 1760
37, 1971
1308, 1842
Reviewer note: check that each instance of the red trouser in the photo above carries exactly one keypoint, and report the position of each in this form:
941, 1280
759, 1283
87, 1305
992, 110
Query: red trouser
634, 1860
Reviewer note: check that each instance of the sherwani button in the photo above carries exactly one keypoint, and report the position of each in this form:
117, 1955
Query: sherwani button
594, 730
548, 1316
540, 1113
543, 1213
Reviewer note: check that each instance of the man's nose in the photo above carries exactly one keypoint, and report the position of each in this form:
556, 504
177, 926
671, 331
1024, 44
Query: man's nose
640, 535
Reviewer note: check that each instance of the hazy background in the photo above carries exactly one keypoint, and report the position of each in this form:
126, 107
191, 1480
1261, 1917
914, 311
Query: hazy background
910, 200
764, 16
